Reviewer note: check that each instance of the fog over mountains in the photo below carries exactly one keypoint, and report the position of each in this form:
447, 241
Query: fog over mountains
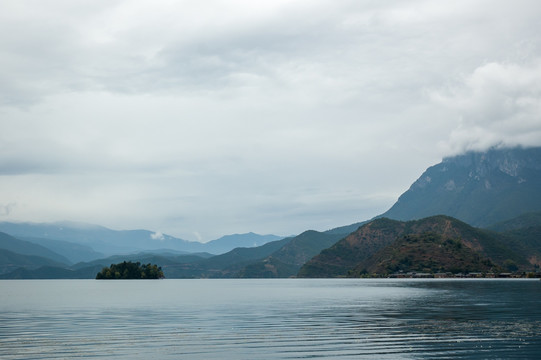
93, 241
498, 189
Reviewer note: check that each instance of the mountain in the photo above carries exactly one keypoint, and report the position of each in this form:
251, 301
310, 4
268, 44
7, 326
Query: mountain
523, 235
99, 238
102, 240
354, 248
88, 270
428, 253
10, 261
230, 242
379, 239
72, 251
479, 188
52, 272
523, 221
18, 246
286, 261
226, 265
144, 258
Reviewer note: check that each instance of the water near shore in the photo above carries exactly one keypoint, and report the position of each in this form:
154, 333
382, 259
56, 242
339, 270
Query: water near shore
270, 319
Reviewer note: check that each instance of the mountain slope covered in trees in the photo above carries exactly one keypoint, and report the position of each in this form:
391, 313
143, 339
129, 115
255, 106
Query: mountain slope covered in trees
438, 243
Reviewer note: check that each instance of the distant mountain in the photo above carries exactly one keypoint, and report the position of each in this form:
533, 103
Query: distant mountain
33, 268
230, 242
479, 188
226, 265
52, 272
436, 243
22, 247
286, 261
10, 261
144, 258
72, 251
99, 238
110, 242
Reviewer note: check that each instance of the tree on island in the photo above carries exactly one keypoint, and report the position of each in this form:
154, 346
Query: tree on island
130, 270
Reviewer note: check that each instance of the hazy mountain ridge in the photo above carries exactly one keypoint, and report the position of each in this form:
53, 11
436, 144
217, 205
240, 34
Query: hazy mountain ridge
226, 265
229, 242
101, 241
72, 251
23, 247
10, 261
479, 186
79, 240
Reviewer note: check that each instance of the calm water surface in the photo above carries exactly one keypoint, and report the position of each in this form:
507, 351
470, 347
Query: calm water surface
270, 319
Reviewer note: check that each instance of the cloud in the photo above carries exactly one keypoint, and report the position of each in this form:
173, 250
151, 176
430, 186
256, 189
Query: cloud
5, 210
207, 118
157, 236
497, 104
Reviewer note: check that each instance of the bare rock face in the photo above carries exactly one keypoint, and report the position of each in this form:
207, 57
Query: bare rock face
479, 188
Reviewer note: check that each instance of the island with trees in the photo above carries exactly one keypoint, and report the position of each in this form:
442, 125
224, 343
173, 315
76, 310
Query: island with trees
130, 270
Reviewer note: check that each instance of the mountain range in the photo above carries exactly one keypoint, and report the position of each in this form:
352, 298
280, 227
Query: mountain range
479, 211
84, 242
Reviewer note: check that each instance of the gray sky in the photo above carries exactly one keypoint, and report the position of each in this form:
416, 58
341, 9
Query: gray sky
205, 118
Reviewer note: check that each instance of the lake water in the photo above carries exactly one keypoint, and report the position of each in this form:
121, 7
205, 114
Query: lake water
270, 319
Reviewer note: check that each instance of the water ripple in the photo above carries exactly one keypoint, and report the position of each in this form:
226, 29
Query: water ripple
287, 319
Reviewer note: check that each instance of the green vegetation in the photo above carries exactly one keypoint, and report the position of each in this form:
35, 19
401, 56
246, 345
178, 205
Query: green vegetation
438, 244
428, 253
130, 270
287, 261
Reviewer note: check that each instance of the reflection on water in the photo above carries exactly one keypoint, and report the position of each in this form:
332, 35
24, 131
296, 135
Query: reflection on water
270, 319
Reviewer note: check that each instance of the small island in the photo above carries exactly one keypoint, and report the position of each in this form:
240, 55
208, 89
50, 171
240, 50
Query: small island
130, 270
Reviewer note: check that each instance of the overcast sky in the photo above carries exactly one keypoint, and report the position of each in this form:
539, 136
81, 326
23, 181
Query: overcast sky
205, 118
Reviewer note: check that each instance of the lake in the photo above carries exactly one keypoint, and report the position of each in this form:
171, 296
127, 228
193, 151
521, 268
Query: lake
270, 319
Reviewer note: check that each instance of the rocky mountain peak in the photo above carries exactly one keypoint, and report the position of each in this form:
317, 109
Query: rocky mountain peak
480, 188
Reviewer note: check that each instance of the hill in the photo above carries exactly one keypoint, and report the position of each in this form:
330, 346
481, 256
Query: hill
354, 248
52, 272
286, 261
479, 188
226, 265
88, 270
229, 242
10, 261
523, 221
22, 247
429, 238
72, 251
425, 253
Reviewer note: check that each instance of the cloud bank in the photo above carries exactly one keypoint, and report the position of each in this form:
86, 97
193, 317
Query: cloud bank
498, 104
203, 119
